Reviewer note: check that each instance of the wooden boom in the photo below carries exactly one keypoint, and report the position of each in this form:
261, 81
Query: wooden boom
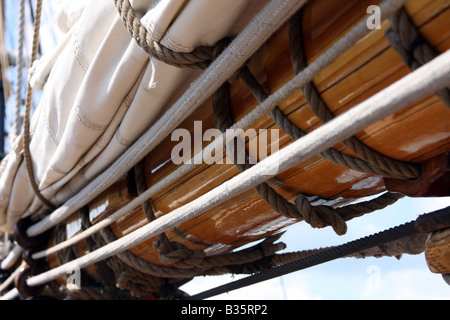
415, 134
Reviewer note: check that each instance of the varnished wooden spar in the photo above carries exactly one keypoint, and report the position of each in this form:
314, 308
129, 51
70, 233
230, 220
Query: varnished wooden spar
415, 134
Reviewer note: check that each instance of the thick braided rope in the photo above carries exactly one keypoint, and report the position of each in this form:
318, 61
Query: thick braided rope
412, 47
201, 57
316, 216
177, 254
412, 245
296, 133
20, 66
393, 167
169, 252
173, 253
211, 265
26, 135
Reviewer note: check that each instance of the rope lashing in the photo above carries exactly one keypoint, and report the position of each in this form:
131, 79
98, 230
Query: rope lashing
393, 167
185, 262
210, 265
201, 57
170, 253
295, 132
317, 217
413, 48
411, 245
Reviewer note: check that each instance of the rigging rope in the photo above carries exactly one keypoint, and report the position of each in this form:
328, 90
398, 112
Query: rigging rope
269, 103
407, 230
422, 82
412, 46
28, 102
316, 216
375, 160
295, 132
20, 65
274, 14
201, 57
143, 145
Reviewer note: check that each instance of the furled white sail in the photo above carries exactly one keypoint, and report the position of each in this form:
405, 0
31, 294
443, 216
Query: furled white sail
101, 91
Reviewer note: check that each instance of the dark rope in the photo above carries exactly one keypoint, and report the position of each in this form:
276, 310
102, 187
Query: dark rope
391, 167
426, 223
412, 47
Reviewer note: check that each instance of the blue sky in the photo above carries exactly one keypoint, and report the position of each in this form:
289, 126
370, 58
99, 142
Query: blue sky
349, 278
407, 278
49, 38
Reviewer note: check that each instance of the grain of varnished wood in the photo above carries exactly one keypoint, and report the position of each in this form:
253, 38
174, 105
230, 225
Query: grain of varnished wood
414, 134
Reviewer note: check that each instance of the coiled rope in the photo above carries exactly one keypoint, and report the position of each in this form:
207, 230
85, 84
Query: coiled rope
201, 57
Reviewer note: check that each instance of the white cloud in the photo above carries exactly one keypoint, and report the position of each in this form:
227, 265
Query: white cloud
345, 279
409, 284
349, 279
275, 289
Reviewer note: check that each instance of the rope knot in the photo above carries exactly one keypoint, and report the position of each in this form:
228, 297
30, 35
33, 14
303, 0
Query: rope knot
174, 253
320, 216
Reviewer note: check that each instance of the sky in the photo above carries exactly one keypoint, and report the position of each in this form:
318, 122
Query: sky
344, 279
49, 38
348, 279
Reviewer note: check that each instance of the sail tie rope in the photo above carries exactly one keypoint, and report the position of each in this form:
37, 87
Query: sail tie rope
317, 216
201, 57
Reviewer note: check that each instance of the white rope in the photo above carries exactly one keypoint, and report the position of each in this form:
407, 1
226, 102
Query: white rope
11, 295
323, 61
12, 257
298, 82
415, 86
20, 65
265, 23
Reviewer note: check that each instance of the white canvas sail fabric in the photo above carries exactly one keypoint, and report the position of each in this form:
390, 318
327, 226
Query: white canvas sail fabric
101, 91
